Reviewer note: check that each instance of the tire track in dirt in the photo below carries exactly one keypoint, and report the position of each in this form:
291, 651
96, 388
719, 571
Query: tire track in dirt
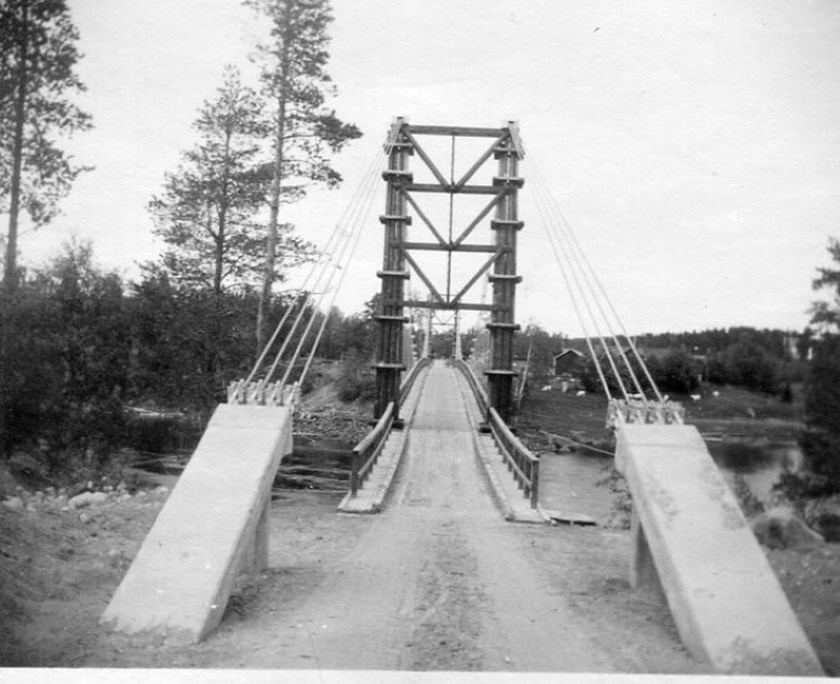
438, 581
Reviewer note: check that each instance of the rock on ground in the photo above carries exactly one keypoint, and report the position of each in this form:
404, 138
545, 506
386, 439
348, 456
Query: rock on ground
780, 528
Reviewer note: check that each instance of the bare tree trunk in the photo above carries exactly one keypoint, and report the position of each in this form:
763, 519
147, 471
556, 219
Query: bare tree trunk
10, 281
219, 247
273, 219
221, 232
10, 273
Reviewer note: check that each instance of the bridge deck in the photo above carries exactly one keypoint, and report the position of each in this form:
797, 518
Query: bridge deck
371, 495
439, 559
515, 506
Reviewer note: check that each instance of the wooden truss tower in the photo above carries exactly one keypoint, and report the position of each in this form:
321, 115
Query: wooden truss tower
501, 210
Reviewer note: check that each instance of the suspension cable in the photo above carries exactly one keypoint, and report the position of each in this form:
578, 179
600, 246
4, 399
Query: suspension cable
288, 311
580, 264
554, 248
574, 270
311, 305
579, 274
341, 262
303, 300
606, 298
335, 294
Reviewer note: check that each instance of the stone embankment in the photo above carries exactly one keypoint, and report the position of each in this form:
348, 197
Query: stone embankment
89, 503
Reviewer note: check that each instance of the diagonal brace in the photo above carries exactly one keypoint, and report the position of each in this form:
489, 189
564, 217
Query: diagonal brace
478, 219
481, 271
483, 158
425, 219
423, 276
425, 157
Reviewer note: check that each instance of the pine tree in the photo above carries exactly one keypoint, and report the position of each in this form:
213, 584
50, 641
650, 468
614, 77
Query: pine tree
206, 214
826, 315
821, 443
37, 59
295, 81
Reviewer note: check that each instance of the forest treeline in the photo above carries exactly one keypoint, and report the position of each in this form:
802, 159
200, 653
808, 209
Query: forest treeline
89, 345
761, 360
80, 344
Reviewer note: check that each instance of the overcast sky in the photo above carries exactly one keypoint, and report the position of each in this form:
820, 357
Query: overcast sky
693, 147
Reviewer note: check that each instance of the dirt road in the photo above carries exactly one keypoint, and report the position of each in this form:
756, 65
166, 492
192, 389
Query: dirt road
438, 581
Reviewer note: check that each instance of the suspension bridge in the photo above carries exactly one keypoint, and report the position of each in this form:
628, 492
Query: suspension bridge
442, 445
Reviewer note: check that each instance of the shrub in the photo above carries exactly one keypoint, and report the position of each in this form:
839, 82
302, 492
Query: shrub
822, 456
677, 373
750, 504
621, 509
354, 382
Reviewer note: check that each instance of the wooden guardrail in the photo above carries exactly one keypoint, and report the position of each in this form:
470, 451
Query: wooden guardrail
524, 466
518, 458
367, 451
475, 385
408, 383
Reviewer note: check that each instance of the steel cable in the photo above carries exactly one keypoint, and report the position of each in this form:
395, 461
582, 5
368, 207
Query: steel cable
563, 272
304, 302
576, 257
572, 237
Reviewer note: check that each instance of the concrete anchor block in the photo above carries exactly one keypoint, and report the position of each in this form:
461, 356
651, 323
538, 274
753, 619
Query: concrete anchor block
726, 602
214, 525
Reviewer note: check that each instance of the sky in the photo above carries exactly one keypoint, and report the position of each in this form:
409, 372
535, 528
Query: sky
694, 148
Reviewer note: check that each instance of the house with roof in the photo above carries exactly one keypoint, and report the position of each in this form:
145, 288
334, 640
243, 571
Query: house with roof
568, 362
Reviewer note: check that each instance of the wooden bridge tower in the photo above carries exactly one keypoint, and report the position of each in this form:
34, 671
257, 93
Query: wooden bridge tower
402, 192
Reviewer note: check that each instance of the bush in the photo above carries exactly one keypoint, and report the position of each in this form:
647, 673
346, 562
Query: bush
748, 365
355, 381
621, 509
805, 491
677, 373
822, 457
750, 504
822, 388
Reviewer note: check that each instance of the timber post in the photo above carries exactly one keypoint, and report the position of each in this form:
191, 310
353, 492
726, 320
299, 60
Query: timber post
504, 278
500, 264
390, 317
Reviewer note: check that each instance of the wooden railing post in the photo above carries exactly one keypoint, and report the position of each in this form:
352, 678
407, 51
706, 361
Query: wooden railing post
354, 474
535, 484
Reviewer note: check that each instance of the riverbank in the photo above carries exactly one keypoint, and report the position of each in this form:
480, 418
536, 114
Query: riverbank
59, 568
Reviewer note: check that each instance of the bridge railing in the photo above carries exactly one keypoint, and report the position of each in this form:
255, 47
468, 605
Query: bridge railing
475, 385
523, 464
518, 458
410, 379
366, 452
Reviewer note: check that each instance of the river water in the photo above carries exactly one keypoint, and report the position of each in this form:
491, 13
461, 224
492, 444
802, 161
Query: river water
568, 479
762, 472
